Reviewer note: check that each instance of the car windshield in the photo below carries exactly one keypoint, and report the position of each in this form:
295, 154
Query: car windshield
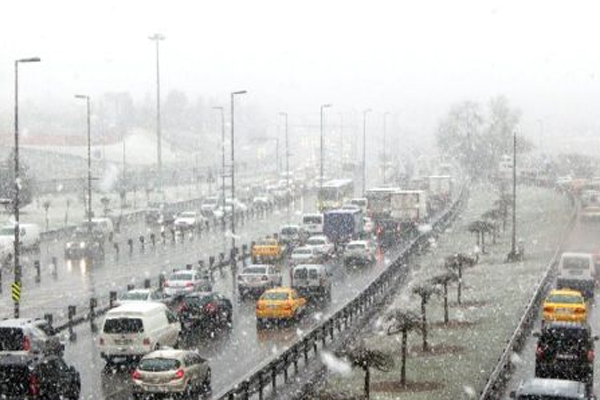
255, 270
123, 325
274, 296
185, 276
11, 339
312, 220
158, 364
564, 299
134, 296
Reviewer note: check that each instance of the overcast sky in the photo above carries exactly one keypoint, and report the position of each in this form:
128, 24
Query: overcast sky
414, 58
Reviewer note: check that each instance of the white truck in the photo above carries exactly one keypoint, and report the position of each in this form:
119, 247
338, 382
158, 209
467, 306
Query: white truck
409, 206
440, 191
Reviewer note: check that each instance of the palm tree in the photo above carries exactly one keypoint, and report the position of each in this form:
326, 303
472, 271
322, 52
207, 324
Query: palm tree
362, 357
444, 280
403, 322
480, 228
455, 263
493, 216
425, 291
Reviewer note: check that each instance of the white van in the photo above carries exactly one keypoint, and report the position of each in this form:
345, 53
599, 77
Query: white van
312, 280
104, 225
577, 271
29, 236
312, 223
135, 329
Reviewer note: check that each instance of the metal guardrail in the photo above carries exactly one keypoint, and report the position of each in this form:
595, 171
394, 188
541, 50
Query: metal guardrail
267, 374
497, 380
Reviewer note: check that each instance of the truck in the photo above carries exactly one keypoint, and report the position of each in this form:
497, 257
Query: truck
440, 191
379, 204
408, 208
342, 226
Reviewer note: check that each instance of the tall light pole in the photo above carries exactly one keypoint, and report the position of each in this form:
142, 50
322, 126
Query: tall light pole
341, 144
323, 106
385, 114
17, 265
541, 122
89, 160
222, 151
364, 158
156, 38
287, 162
233, 94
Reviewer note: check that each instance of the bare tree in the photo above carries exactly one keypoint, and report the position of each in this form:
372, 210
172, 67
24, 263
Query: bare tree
362, 357
456, 263
444, 280
425, 291
403, 322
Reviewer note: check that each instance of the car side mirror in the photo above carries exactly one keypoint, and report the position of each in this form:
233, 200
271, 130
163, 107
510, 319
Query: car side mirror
595, 337
513, 394
536, 334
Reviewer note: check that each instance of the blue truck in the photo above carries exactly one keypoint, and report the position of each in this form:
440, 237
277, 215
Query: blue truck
342, 226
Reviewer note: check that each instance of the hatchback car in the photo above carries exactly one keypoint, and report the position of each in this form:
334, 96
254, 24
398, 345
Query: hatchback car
203, 309
141, 295
24, 335
255, 278
281, 303
168, 371
359, 252
565, 350
186, 281
321, 244
305, 255
564, 305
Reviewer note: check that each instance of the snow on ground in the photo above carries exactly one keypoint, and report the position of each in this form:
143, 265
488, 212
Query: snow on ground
495, 296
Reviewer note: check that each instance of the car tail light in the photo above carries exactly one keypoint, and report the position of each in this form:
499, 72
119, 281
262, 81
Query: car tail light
580, 311
189, 284
181, 307
146, 342
590, 355
101, 341
166, 284
178, 374
265, 278
548, 309
33, 385
539, 352
136, 374
26, 343
287, 306
210, 308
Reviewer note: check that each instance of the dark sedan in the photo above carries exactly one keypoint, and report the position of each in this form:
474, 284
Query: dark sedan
203, 309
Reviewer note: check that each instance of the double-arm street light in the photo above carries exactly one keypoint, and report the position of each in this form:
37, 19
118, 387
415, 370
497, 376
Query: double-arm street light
89, 161
157, 37
17, 265
364, 158
323, 106
233, 94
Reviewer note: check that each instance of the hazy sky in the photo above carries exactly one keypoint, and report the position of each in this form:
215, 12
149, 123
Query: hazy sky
414, 58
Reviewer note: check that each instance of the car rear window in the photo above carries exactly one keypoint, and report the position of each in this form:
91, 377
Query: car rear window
11, 339
315, 242
312, 220
181, 277
300, 273
255, 270
289, 231
123, 325
564, 299
302, 251
134, 296
565, 340
313, 274
158, 364
356, 247
274, 296
576, 263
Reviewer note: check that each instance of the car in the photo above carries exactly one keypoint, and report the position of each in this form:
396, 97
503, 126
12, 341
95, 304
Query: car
28, 376
135, 329
305, 255
565, 350
321, 244
84, 244
169, 371
577, 271
188, 220
360, 202
262, 201
359, 252
564, 305
550, 389
186, 281
368, 225
292, 235
255, 278
267, 250
159, 216
210, 203
282, 303
205, 309
312, 281
312, 223
136, 295
349, 206
32, 336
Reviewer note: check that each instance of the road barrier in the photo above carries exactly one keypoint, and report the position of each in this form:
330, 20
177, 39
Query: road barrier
495, 384
266, 375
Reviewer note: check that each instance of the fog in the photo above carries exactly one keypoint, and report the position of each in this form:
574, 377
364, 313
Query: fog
413, 59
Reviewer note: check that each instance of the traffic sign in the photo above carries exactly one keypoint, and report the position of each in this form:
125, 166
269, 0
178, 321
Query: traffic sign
16, 291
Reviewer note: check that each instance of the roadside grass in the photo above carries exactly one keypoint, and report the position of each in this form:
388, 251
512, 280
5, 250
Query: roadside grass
494, 296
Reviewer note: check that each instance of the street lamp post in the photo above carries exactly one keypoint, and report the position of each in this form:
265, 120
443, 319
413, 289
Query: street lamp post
384, 158
222, 152
89, 160
17, 265
233, 94
364, 158
514, 254
323, 106
156, 38
287, 162
341, 144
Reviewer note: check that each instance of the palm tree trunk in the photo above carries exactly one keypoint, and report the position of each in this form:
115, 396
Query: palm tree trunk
482, 242
446, 303
424, 322
459, 289
403, 365
367, 382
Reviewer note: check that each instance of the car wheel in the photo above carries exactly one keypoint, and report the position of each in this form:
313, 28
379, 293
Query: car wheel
206, 384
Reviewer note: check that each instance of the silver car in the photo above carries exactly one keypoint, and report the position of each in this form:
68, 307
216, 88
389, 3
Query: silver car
141, 295
258, 277
186, 281
182, 372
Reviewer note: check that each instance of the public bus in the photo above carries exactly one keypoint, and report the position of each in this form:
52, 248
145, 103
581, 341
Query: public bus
335, 193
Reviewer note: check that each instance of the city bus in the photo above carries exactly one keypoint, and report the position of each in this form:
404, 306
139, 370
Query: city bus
335, 193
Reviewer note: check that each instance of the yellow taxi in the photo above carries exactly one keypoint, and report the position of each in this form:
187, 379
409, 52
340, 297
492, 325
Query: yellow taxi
281, 303
564, 305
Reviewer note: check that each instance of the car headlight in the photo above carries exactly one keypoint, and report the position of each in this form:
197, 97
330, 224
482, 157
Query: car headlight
68, 245
81, 245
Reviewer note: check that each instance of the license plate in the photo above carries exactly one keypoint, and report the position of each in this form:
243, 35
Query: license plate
272, 306
566, 357
563, 311
123, 341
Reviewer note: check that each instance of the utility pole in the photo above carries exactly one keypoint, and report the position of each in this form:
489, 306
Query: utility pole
89, 161
156, 38
364, 169
321, 149
384, 169
513, 255
287, 163
222, 153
